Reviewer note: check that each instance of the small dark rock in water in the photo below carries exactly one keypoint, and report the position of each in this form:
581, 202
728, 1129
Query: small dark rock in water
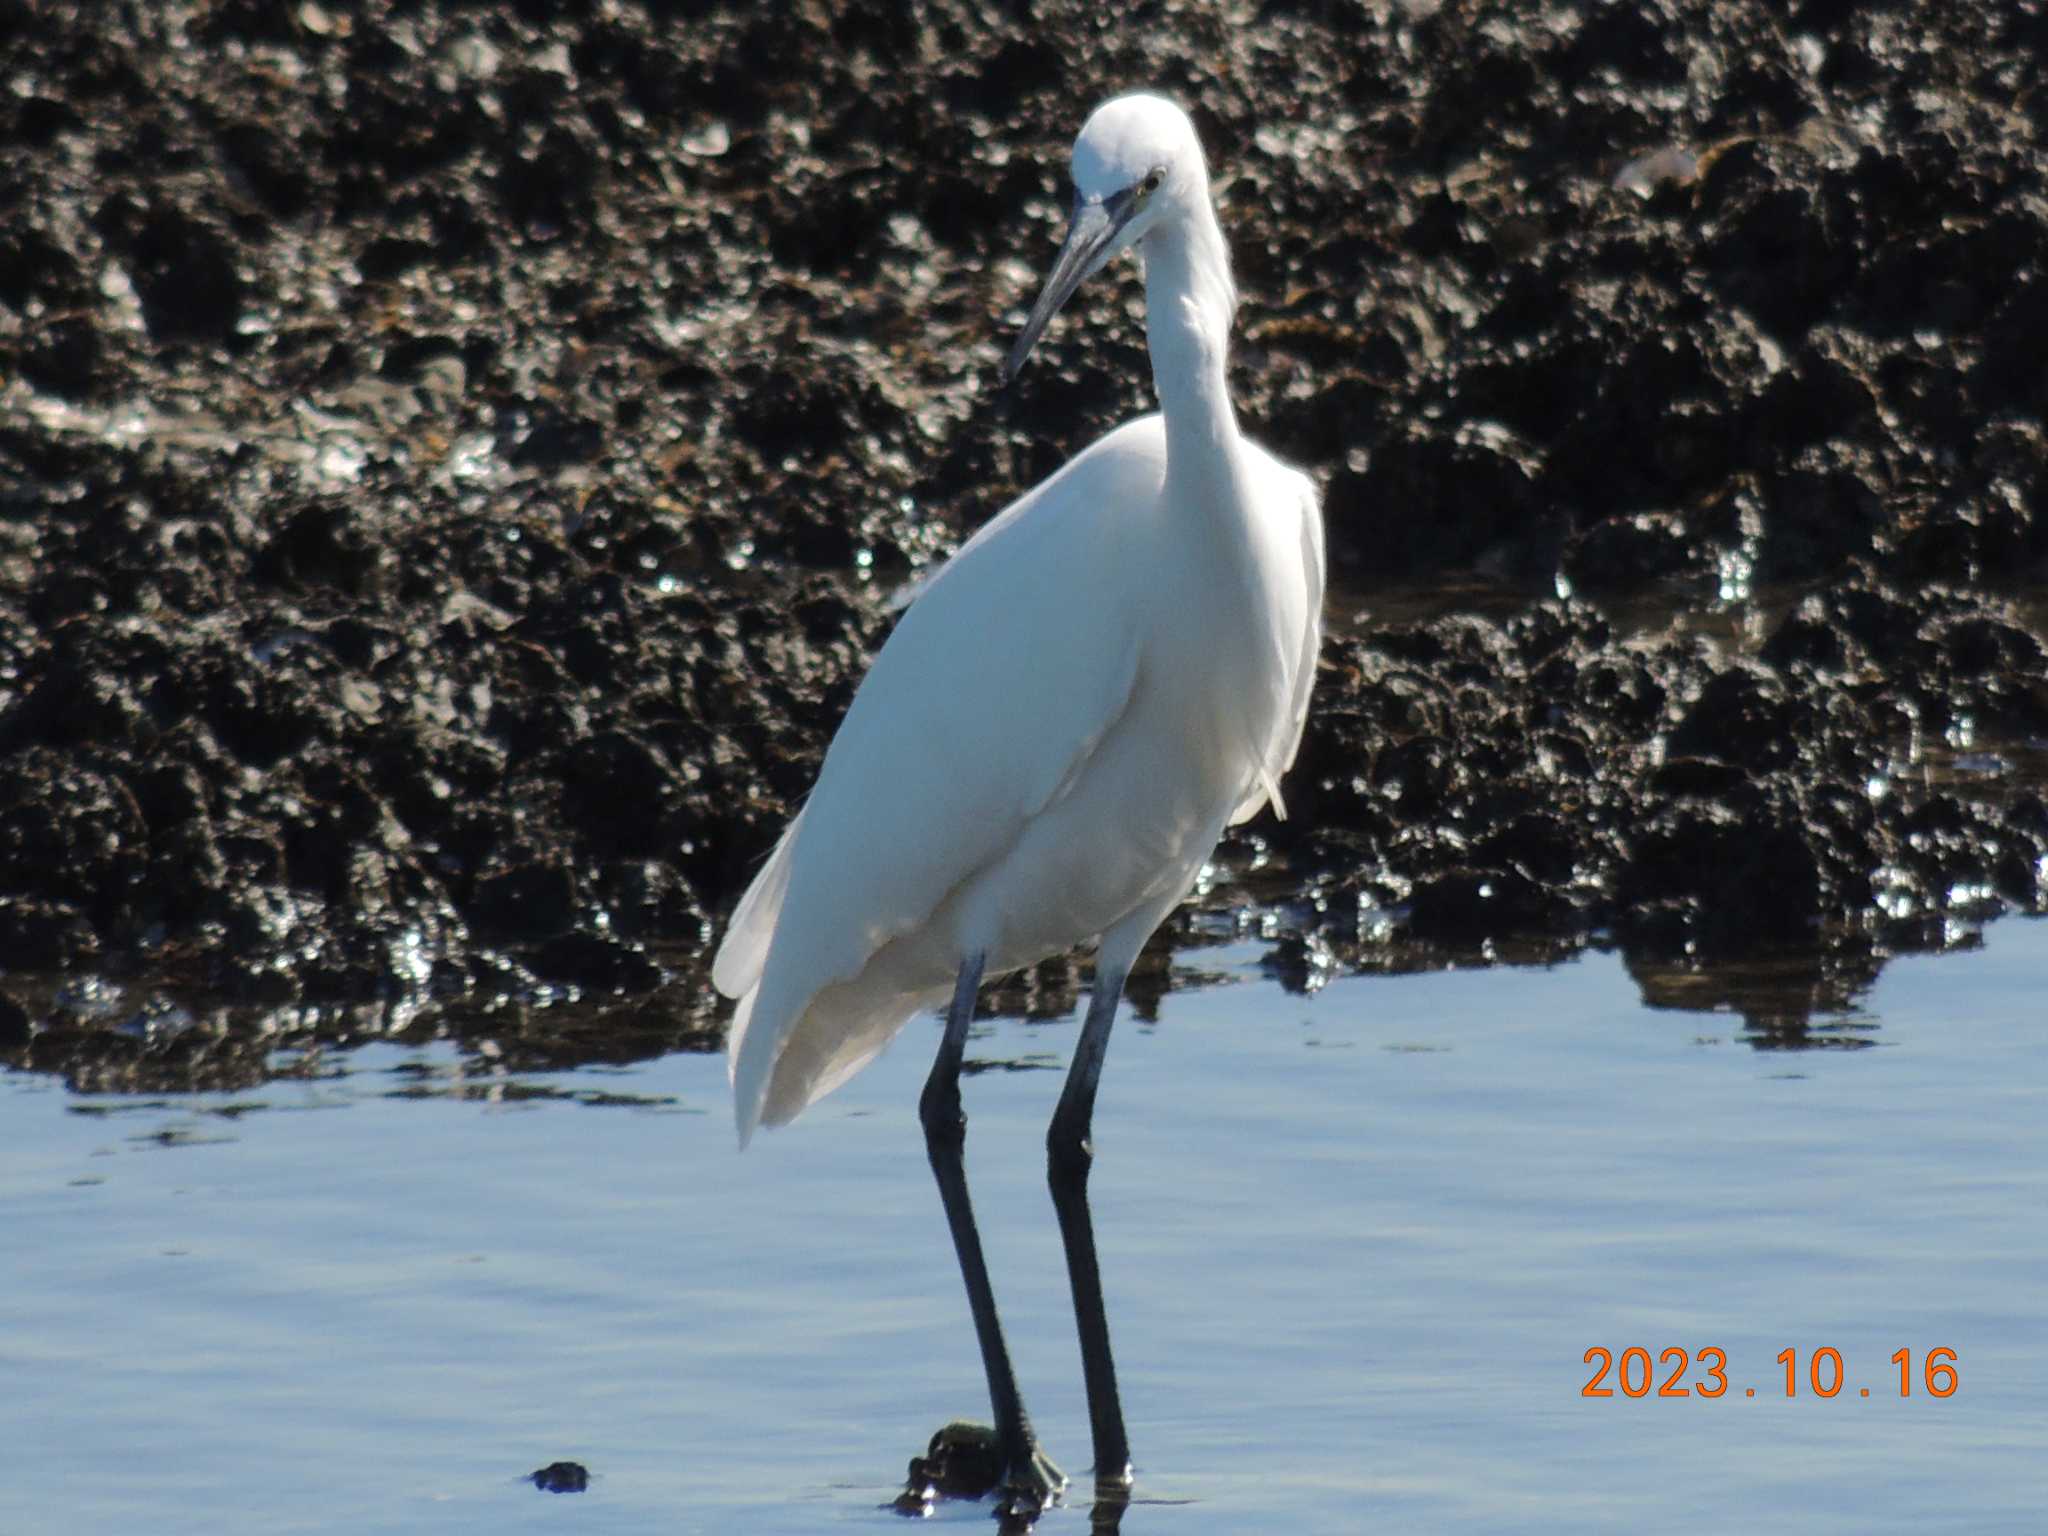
561, 1477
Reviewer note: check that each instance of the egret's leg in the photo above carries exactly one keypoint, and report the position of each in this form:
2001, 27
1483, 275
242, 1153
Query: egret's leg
1068, 1158
1027, 1471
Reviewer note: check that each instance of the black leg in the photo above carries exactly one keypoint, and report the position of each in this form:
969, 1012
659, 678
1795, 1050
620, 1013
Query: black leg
1068, 1158
1029, 1478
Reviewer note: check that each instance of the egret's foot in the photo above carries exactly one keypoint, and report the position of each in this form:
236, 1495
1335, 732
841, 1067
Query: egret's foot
965, 1461
1029, 1486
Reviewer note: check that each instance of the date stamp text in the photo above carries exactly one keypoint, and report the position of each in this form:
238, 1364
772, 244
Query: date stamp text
1818, 1373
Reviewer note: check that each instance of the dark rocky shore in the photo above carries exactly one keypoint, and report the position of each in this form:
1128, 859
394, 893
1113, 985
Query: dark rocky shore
455, 460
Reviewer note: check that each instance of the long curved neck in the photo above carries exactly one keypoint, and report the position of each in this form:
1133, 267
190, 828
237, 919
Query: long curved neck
1189, 302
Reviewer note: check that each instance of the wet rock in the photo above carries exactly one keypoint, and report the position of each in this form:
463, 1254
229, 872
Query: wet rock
525, 896
649, 900
38, 934
1701, 876
183, 270
561, 1477
67, 358
1779, 243
444, 515
1743, 717
15, 1028
594, 962
1463, 497
1628, 553
1466, 907
71, 836
325, 545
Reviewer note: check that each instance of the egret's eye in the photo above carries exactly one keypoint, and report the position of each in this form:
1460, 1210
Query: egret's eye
1151, 182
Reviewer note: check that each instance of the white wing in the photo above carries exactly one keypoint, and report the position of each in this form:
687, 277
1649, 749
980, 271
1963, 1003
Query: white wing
1291, 565
996, 687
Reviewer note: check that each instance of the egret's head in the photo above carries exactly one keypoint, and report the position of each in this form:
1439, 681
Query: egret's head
1137, 165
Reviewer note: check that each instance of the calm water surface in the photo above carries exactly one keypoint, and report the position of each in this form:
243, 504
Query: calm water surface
1356, 1247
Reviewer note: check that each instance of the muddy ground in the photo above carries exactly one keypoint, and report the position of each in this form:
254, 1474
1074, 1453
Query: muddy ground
455, 460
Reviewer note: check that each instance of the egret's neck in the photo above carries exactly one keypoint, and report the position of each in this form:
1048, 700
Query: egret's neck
1189, 302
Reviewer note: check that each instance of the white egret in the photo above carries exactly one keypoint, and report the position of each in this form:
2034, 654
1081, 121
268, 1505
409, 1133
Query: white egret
1050, 743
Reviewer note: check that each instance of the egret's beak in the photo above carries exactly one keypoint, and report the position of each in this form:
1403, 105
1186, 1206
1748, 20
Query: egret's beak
1092, 239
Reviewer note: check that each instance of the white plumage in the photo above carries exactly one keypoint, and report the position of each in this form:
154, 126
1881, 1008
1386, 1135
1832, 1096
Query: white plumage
1061, 725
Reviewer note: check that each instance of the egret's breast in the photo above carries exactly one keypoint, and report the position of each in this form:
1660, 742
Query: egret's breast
1132, 831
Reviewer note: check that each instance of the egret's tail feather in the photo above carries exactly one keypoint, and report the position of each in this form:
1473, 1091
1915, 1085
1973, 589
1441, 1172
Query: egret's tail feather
736, 968
746, 1102
780, 1067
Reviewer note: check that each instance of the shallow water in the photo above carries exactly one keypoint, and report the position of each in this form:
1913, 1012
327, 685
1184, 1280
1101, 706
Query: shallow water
1356, 1246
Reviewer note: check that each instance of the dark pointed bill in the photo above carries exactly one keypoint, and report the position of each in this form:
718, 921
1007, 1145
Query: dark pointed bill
1091, 241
